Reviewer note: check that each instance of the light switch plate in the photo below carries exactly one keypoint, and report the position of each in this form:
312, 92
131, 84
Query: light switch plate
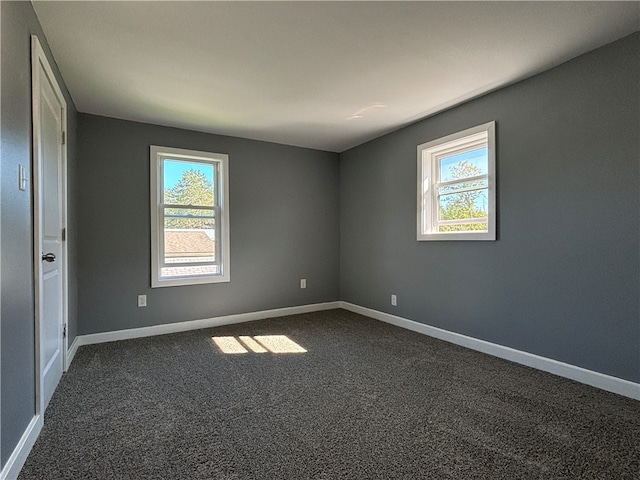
22, 178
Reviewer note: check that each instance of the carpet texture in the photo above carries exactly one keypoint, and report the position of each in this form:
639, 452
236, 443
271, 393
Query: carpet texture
367, 400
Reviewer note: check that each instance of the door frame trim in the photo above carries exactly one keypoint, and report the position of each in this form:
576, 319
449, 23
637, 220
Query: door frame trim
40, 66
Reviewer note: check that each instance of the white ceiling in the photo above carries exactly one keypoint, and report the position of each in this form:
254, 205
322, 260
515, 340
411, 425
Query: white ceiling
325, 75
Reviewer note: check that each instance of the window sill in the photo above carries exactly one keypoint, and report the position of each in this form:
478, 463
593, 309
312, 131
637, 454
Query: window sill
466, 236
177, 282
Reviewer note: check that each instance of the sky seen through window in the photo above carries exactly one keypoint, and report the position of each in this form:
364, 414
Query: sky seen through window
174, 169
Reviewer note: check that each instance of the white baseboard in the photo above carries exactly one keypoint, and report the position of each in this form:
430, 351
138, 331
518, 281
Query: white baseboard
579, 374
21, 452
71, 352
196, 324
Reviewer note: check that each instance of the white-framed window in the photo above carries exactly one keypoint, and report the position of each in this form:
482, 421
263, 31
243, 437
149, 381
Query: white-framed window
189, 217
457, 186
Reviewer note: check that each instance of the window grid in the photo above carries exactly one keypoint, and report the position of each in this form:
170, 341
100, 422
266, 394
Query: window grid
163, 207
432, 188
197, 266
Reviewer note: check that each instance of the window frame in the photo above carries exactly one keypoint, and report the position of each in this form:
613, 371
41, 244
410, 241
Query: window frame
220, 209
428, 183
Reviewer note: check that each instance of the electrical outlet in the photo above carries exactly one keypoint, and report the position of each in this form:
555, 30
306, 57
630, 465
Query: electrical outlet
303, 283
142, 300
394, 300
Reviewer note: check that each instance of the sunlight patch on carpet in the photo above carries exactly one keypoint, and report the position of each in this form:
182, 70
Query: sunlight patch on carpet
279, 344
253, 345
258, 344
229, 345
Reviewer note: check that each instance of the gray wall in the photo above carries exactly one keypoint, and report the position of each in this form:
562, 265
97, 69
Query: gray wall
284, 225
17, 376
562, 281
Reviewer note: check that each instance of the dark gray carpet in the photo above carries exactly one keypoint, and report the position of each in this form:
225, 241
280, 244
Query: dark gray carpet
367, 401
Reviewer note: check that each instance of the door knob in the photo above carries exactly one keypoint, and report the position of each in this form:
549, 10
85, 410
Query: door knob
48, 257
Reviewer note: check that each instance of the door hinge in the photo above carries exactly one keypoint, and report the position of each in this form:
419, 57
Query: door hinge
64, 234
64, 330
64, 137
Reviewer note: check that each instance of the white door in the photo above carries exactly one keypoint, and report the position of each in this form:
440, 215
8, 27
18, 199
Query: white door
49, 205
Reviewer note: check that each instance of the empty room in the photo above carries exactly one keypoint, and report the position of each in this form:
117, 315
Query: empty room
319, 240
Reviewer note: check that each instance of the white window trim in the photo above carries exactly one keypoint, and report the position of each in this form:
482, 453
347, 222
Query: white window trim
428, 153
157, 237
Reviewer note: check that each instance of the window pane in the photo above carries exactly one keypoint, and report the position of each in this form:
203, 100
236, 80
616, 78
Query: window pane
452, 188
188, 218
188, 183
464, 205
464, 165
184, 246
467, 227
189, 240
